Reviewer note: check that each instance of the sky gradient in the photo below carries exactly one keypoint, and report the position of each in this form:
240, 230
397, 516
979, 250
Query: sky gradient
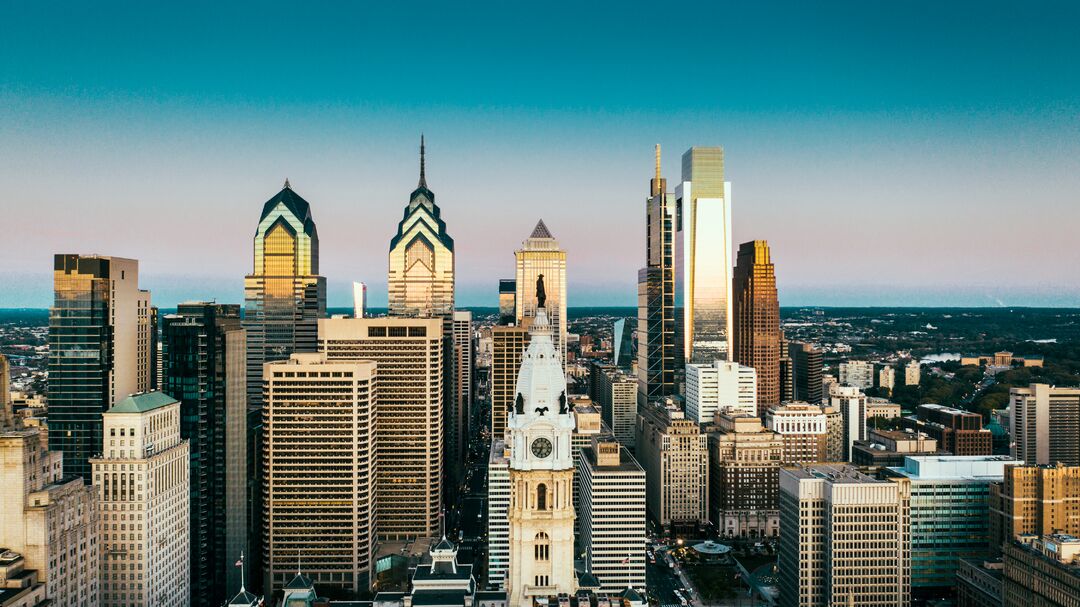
906, 153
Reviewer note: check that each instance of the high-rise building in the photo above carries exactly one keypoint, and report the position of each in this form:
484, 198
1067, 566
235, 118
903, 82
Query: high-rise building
744, 468
787, 372
658, 354
1034, 500
284, 296
1043, 571
359, 299
835, 435
99, 350
718, 386
541, 256
957, 432
803, 428
142, 481
507, 301
508, 345
912, 373
319, 420
612, 516
950, 498
622, 344
7, 415
412, 394
199, 358
541, 512
806, 359
421, 275
457, 414
887, 379
851, 403
756, 320
702, 225
498, 517
50, 518
857, 373
1045, 424
845, 539
617, 396
675, 455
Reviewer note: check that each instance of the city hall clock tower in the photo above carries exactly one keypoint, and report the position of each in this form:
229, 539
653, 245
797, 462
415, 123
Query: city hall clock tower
541, 514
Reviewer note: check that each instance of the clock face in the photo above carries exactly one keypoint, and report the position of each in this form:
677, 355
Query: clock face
541, 447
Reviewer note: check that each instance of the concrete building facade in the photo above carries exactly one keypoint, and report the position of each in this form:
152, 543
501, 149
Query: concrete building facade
675, 455
718, 386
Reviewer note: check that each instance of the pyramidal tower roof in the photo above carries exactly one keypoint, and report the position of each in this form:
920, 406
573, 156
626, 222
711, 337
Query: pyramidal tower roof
541, 231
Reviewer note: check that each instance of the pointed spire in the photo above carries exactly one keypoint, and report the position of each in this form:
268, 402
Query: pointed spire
658, 184
423, 179
242, 588
287, 186
658, 162
541, 231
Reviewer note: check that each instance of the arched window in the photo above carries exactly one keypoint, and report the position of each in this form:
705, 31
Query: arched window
542, 547
541, 497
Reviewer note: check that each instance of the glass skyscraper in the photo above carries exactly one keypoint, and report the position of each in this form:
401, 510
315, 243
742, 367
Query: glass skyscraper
703, 256
756, 319
540, 255
284, 296
421, 272
658, 355
199, 363
99, 350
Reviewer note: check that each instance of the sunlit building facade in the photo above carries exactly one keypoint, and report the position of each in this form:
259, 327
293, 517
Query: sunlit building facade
100, 350
756, 339
284, 296
703, 261
540, 255
421, 273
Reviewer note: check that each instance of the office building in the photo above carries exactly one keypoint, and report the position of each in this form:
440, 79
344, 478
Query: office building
99, 350
978, 583
49, 518
622, 344
912, 373
851, 403
803, 429
498, 519
957, 432
950, 518
857, 374
616, 394
458, 415
845, 539
7, 414
319, 423
806, 359
142, 480
359, 299
284, 296
659, 356
882, 408
703, 296
1034, 500
541, 512
538, 256
718, 386
756, 322
507, 301
1045, 424
787, 372
675, 455
1042, 571
883, 448
612, 514
421, 274
201, 354
744, 467
413, 395
835, 436
508, 345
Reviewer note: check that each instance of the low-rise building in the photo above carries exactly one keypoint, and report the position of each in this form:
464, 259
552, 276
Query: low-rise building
958, 432
889, 448
978, 583
881, 407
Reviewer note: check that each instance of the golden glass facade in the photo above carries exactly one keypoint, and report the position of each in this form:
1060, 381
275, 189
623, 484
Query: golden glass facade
284, 296
756, 339
703, 256
540, 254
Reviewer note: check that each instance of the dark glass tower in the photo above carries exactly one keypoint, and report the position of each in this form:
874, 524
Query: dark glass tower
657, 352
807, 362
197, 351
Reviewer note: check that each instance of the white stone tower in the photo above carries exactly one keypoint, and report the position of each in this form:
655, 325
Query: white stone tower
541, 512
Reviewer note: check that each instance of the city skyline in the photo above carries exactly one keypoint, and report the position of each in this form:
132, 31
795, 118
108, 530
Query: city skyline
894, 128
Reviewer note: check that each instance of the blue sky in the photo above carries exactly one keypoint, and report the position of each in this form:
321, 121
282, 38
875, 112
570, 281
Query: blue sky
903, 153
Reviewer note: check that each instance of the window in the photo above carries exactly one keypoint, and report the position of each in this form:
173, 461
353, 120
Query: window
541, 497
542, 547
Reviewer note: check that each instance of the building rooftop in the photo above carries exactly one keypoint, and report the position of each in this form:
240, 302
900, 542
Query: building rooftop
833, 473
954, 467
145, 401
627, 463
